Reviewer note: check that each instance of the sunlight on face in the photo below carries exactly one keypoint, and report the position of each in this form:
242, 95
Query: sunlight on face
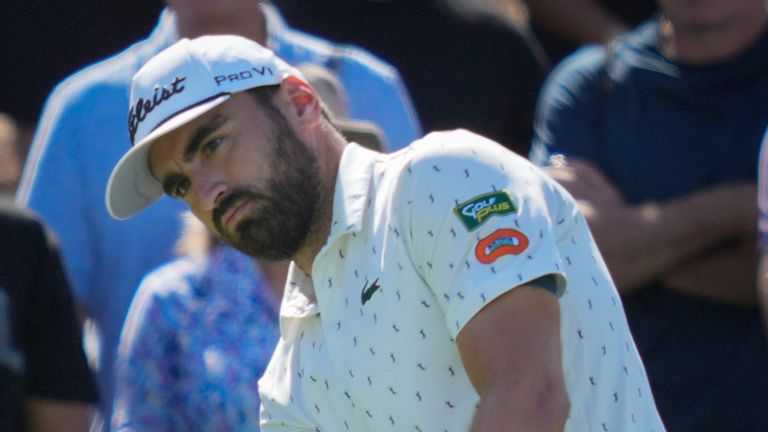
276, 220
246, 174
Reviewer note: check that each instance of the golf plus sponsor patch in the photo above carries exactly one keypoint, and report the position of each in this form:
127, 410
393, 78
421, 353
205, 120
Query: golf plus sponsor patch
505, 241
477, 210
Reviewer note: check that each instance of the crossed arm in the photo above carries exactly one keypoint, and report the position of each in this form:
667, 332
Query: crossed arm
702, 243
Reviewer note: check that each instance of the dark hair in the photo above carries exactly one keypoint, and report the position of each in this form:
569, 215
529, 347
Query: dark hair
264, 95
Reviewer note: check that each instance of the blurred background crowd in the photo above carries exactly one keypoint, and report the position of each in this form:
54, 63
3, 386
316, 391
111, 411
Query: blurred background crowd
651, 113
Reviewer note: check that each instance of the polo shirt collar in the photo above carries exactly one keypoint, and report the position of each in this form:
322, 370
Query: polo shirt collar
349, 204
299, 297
353, 187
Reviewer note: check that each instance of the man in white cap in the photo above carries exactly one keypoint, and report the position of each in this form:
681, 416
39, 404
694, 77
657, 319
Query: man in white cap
448, 286
70, 162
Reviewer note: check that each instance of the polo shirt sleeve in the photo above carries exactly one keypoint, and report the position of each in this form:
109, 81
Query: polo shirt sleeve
482, 223
277, 417
568, 112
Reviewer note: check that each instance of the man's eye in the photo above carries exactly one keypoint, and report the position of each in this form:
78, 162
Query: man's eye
211, 145
181, 189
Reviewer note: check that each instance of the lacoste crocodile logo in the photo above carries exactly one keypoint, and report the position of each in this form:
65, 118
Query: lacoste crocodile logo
368, 290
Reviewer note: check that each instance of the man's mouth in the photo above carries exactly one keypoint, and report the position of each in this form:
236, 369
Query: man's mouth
232, 216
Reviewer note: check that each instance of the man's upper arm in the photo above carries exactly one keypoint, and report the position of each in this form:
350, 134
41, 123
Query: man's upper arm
522, 327
511, 351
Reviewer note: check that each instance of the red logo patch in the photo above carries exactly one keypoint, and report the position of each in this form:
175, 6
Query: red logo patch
501, 242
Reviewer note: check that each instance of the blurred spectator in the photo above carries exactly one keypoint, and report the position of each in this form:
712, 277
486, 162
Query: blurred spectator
197, 338
471, 71
201, 329
658, 136
10, 155
762, 205
45, 383
83, 132
563, 26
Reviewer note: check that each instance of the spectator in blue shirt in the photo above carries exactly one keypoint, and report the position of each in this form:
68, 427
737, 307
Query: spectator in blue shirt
657, 135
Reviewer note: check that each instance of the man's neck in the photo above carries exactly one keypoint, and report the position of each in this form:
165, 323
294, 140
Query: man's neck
701, 46
248, 21
328, 163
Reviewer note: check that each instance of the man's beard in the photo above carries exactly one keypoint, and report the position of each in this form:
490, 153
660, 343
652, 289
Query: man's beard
283, 214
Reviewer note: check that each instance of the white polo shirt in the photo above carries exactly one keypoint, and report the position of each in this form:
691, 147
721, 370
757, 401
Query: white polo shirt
421, 240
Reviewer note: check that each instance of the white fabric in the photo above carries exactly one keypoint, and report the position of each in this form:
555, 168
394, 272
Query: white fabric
392, 363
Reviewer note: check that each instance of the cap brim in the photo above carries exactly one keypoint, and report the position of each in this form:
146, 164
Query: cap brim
131, 186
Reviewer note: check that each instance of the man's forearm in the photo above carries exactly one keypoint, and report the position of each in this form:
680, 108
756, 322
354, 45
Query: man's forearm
725, 273
640, 243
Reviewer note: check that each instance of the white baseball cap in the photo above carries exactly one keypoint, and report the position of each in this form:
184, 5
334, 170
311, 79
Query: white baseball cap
176, 86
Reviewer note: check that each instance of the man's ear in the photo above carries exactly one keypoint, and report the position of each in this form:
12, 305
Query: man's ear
302, 98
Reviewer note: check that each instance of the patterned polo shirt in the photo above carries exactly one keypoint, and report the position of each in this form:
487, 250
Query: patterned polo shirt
421, 241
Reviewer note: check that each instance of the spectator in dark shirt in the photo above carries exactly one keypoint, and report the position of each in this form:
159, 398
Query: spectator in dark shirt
45, 382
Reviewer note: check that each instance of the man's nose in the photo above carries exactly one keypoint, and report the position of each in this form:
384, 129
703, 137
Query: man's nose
209, 187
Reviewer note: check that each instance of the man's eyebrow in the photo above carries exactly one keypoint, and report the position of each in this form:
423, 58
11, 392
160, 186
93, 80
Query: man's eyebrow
201, 134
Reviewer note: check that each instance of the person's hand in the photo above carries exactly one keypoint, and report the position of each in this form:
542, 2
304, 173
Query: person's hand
584, 181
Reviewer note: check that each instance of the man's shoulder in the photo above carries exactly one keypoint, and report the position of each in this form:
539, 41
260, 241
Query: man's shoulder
112, 75
592, 63
174, 285
585, 65
16, 221
25, 237
177, 277
457, 142
458, 156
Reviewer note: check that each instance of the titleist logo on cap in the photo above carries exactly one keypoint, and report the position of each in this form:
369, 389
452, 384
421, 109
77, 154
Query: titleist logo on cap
143, 107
